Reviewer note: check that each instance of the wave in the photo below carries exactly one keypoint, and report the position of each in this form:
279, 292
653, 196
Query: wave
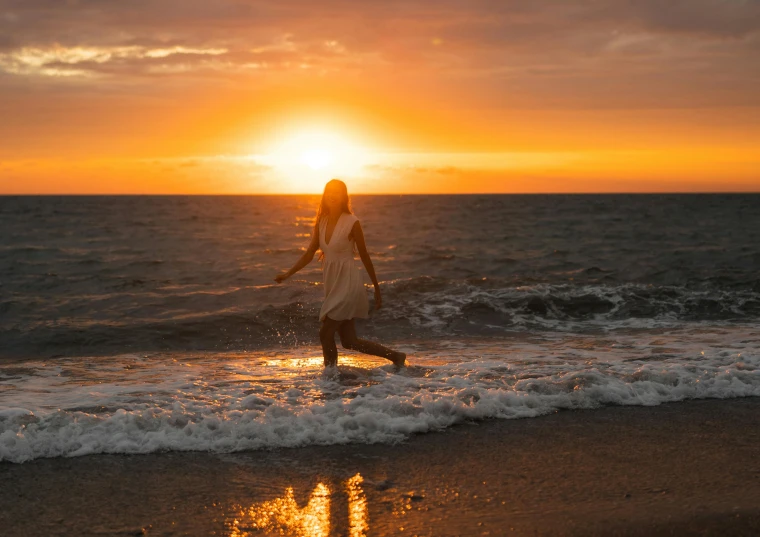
257, 317
226, 403
436, 302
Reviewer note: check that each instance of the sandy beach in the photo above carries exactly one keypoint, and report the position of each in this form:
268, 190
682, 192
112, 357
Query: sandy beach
688, 468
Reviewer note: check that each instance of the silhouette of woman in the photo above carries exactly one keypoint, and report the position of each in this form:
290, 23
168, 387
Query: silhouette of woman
338, 234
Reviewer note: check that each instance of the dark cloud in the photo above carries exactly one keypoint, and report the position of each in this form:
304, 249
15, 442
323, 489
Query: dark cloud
548, 46
7, 43
487, 23
718, 18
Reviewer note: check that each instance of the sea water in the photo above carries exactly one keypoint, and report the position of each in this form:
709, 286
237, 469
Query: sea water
140, 324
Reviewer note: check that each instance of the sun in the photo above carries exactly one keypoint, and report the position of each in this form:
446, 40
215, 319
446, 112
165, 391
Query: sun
316, 159
305, 158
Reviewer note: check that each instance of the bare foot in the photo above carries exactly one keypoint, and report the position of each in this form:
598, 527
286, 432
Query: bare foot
399, 360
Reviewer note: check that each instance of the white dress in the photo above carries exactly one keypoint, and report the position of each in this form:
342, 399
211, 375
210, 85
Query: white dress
345, 294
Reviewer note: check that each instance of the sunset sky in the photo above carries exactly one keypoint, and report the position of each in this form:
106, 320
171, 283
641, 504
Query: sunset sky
195, 96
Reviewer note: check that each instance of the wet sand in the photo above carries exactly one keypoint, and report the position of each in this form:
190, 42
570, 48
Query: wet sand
688, 468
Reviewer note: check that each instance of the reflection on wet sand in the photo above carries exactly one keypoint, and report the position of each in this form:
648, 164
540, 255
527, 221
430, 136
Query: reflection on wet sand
358, 519
283, 516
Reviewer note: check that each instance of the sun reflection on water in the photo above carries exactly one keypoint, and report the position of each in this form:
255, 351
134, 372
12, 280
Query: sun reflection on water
283, 515
316, 362
358, 518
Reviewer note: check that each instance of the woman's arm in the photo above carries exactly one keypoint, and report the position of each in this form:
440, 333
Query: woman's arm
358, 236
305, 259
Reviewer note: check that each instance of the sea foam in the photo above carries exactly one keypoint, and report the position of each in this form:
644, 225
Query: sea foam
272, 399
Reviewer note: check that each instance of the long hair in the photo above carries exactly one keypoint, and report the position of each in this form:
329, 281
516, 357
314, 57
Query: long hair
322, 212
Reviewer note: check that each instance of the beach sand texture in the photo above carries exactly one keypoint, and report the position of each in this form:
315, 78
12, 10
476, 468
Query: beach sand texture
688, 468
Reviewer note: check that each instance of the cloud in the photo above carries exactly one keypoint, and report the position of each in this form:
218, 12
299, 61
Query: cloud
710, 18
123, 176
87, 60
482, 53
477, 31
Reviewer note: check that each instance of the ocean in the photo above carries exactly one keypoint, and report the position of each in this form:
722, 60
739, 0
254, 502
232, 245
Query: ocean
136, 324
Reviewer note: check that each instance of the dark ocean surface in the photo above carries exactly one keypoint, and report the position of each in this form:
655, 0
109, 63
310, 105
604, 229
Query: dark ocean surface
93, 275
509, 306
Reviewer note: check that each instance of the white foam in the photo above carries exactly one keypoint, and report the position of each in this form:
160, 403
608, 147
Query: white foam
231, 402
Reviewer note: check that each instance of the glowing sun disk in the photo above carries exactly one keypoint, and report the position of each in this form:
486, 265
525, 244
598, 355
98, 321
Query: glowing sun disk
316, 159
305, 159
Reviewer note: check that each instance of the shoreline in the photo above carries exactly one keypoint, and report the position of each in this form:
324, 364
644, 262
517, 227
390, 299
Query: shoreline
685, 468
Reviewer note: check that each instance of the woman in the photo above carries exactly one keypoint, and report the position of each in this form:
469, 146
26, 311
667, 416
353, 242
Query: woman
338, 233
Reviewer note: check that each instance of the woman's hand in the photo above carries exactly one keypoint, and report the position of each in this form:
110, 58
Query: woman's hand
378, 299
281, 277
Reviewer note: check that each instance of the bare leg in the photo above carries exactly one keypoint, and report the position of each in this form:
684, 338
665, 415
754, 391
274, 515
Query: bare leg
327, 337
348, 340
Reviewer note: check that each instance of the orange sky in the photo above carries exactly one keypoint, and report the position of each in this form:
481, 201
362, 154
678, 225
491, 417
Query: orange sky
392, 96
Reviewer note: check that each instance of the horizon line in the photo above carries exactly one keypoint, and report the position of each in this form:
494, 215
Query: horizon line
599, 193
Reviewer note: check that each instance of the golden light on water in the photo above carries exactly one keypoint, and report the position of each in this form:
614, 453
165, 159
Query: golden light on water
347, 362
284, 516
358, 517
